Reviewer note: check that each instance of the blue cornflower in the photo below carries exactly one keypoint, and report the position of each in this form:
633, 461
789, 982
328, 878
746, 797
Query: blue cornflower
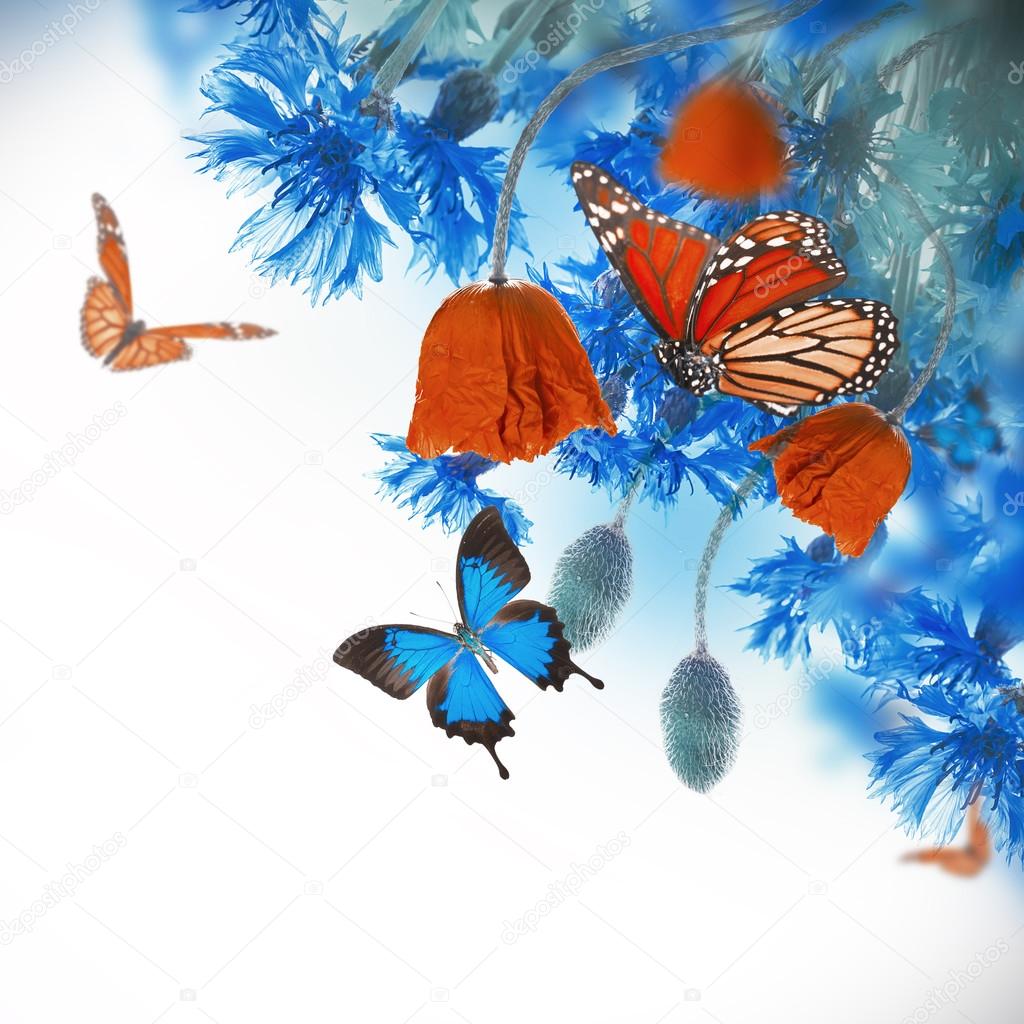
663, 467
611, 328
809, 590
605, 460
285, 18
454, 232
932, 774
445, 488
300, 125
836, 157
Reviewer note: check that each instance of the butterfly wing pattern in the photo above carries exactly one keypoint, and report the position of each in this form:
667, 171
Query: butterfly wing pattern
737, 315
463, 702
658, 259
108, 329
529, 636
104, 318
112, 252
461, 698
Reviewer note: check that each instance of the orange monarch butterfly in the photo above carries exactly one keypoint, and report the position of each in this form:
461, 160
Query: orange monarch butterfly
734, 315
108, 330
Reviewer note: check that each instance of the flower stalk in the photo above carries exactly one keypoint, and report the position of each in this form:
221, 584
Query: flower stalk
531, 17
617, 58
711, 546
949, 313
392, 71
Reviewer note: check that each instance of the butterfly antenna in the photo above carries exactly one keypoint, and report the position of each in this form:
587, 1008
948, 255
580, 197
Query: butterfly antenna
447, 600
430, 618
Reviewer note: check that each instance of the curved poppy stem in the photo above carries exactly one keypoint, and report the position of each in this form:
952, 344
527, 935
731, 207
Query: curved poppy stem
949, 313
914, 50
615, 59
711, 546
817, 72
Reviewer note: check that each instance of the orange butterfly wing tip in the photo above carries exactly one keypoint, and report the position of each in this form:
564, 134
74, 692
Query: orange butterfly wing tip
724, 142
150, 349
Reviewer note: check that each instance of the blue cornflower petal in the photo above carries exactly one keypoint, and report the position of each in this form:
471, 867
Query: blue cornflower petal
445, 488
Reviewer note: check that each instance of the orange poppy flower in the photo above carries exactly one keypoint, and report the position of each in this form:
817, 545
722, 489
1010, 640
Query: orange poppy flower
842, 469
725, 143
503, 374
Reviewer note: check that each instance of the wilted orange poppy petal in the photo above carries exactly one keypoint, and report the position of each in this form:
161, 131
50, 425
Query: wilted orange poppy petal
842, 469
724, 142
503, 374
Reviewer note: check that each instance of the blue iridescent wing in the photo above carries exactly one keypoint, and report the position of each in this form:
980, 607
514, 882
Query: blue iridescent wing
464, 702
529, 636
398, 659
491, 570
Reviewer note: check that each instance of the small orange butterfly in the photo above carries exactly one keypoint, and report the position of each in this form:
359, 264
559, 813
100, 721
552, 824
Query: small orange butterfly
108, 330
966, 860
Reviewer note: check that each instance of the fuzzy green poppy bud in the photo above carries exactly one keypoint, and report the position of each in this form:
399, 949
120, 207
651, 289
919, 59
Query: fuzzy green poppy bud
592, 581
700, 721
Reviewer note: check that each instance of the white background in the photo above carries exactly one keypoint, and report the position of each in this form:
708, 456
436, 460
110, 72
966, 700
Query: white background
345, 861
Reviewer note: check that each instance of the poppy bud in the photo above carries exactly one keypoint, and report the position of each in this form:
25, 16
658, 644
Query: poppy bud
678, 408
591, 583
467, 100
615, 392
700, 721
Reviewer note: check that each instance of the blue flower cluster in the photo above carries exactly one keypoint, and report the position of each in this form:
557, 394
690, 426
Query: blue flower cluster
931, 616
338, 167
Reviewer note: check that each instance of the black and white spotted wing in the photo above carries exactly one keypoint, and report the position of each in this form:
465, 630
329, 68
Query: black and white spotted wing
806, 354
777, 259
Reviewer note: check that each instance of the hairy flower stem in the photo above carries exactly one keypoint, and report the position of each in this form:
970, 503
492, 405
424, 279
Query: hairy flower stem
949, 313
617, 58
518, 33
392, 71
624, 506
820, 68
912, 52
714, 542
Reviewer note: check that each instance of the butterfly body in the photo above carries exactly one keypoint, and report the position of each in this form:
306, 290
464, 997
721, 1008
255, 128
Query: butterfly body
524, 634
740, 316
108, 328
689, 367
472, 643
131, 332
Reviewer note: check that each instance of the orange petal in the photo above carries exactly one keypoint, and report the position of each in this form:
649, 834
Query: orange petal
724, 142
503, 374
842, 469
